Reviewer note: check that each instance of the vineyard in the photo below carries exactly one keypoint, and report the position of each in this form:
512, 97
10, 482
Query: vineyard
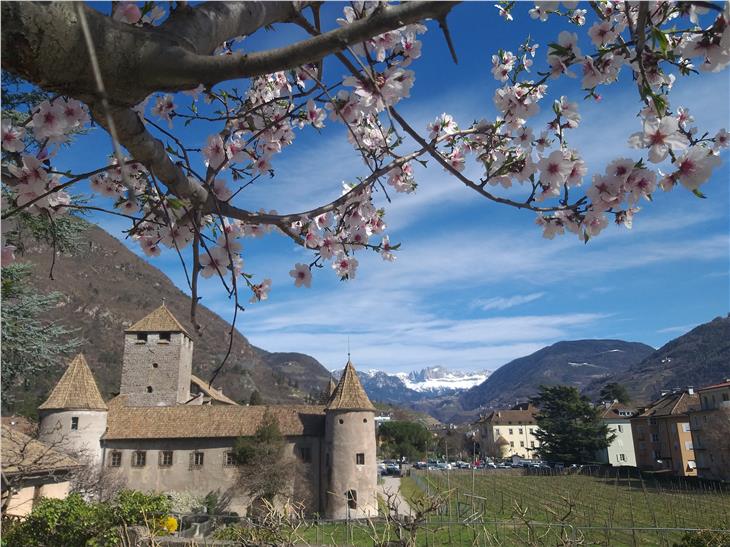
559, 509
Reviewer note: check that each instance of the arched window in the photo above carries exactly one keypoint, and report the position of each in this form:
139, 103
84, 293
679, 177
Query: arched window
351, 499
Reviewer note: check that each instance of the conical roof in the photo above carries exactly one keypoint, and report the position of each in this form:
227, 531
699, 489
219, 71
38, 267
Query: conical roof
76, 390
349, 393
160, 320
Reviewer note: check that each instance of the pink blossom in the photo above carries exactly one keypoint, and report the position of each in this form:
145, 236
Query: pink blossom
345, 266
214, 152
554, 169
49, 120
602, 33
695, 167
260, 291
220, 190
302, 275
659, 136
214, 262
164, 108
12, 137
127, 12
386, 251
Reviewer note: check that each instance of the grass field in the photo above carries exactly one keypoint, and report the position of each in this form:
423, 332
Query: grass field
596, 506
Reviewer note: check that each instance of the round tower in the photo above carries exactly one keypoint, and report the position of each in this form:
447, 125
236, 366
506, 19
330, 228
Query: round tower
74, 416
350, 469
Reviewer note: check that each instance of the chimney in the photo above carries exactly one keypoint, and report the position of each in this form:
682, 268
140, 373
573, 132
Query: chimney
690, 390
664, 392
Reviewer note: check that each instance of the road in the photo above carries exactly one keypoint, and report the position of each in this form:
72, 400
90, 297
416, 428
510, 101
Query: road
391, 485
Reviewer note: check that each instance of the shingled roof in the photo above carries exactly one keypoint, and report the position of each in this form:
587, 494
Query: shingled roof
210, 391
349, 393
160, 320
76, 390
673, 404
29, 456
207, 421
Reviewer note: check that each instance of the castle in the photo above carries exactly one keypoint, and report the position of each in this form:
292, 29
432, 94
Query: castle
167, 430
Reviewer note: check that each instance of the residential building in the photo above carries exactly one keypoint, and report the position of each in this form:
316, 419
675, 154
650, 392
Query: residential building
507, 433
662, 435
711, 431
32, 470
620, 452
168, 430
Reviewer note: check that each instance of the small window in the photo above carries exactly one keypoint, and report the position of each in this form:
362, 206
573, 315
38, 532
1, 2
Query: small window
532, 444
685, 427
342, 421
364, 420
74, 423
116, 459
622, 457
164, 337
360, 458
512, 444
688, 445
149, 389
165, 458
155, 365
305, 453
139, 458
522, 444
196, 460
620, 429
230, 459
351, 499
520, 431
141, 337
511, 431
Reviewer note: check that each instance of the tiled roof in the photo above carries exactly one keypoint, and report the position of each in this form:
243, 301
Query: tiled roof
510, 417
76, 390
612, 411
715, 386
349, 393
160, 320
211, 392
26, 455
672, 404
207, 421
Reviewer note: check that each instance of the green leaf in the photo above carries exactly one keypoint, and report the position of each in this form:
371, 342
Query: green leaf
661, 38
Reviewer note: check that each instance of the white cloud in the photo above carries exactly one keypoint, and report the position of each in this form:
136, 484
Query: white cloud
504, 303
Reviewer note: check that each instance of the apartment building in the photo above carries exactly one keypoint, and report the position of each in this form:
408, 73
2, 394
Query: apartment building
507, 433
710, 426
662, 435
620, 452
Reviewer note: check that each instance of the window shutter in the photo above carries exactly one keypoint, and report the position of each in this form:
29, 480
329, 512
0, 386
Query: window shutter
192, 460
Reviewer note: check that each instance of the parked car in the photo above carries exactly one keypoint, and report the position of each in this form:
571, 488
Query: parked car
490, 465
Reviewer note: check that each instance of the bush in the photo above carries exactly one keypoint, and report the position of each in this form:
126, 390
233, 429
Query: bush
73, 522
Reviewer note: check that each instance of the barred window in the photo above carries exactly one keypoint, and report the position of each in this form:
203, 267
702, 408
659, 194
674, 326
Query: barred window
139, 458
196, 460
115, 460
229, 459
360, 458
165, 458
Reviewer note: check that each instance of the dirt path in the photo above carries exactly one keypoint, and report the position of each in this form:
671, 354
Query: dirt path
391, 485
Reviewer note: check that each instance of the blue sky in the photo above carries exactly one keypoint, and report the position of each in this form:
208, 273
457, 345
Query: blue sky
475, 285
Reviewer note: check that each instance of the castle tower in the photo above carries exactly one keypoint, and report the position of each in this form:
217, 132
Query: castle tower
158, 361
350, 470
73, 418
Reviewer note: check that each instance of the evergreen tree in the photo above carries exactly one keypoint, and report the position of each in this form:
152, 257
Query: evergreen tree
255, 398
569, 426
615, 391
403, 439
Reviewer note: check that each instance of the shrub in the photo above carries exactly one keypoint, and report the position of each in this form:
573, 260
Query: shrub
74, 522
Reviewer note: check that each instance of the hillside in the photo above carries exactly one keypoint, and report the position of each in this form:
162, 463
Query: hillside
106, 288
577, 363
700, 357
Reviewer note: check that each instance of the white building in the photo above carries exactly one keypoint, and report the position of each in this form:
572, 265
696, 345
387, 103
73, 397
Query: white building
621, 450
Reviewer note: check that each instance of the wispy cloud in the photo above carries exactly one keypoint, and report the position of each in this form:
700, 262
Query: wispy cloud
504, 303
677, 329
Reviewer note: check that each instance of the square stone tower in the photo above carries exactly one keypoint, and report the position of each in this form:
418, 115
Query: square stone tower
158, 360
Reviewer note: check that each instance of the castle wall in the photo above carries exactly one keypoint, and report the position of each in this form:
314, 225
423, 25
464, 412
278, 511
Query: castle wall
349, 433
157, 372
55, 429
215, 474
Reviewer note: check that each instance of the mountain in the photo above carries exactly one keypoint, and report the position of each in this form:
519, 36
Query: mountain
699, 357
578, 363
106, 288
440, 380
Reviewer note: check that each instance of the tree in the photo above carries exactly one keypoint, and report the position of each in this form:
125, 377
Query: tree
255, 398
30, 345
106, 63
569, 427
403, 439
615, 392
264, 471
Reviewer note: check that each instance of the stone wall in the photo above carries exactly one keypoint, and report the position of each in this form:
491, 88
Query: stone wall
156, 371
